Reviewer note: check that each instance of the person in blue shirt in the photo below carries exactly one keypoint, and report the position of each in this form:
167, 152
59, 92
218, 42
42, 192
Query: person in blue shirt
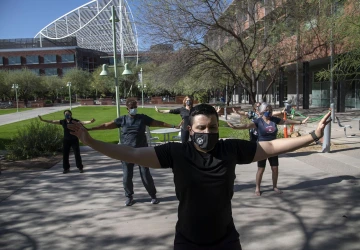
266, 126
133, 126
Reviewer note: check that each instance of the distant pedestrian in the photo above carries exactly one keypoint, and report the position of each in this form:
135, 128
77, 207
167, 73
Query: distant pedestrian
69, 141
133, 127
184, 112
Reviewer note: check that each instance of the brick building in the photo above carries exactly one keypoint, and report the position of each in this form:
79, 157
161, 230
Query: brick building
48, 57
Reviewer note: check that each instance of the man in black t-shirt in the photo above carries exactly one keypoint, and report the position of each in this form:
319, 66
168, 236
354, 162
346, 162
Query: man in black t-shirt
204, 173
133, 134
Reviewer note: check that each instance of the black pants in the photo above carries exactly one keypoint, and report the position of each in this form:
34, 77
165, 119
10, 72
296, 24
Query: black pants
185, 134
147, 180
230, 242
74, 144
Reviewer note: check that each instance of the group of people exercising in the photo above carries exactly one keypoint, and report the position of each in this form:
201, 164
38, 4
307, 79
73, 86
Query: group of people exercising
203, 167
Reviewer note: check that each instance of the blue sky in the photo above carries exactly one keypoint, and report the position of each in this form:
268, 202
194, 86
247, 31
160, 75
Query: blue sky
25, 18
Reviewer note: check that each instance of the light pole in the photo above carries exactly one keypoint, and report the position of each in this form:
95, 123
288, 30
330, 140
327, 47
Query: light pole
142, 86
69, 85
104, 72
15, 87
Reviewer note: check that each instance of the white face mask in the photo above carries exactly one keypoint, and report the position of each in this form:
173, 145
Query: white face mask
133, 111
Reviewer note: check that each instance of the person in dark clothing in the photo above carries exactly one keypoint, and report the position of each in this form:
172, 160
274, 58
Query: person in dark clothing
266, 126
184, 112
204, 174
70, 141
133, 134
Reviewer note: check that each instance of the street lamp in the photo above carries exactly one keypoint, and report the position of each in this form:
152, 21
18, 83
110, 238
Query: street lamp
104, 72
142, 86
15, 87
69, 85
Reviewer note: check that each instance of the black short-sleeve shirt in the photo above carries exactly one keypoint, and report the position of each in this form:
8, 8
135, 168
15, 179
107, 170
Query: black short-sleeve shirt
185, 115
67, 135
204, 185
133, 129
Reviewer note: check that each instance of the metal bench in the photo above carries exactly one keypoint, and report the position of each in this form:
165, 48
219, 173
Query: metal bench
344, 126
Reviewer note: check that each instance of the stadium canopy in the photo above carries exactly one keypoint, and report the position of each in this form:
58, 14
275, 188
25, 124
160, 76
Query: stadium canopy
91, 25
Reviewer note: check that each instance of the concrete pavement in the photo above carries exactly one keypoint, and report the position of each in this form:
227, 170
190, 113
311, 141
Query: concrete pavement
318, 209
28, 114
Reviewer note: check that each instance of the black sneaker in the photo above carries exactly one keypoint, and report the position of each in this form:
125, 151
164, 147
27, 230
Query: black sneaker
81, 170
155, 201
129, 201
66, 171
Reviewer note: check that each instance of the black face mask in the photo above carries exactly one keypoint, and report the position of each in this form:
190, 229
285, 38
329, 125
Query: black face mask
206, 141
188, 102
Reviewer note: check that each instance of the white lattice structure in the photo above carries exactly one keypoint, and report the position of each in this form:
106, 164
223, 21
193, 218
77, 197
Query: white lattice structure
90, 25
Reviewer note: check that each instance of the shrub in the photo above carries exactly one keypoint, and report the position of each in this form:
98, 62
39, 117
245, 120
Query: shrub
34, 140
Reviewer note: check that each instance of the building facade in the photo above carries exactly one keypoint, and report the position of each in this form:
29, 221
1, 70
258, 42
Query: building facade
48, 58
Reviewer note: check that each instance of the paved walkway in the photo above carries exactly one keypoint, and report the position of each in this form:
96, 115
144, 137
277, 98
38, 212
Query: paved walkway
319, 208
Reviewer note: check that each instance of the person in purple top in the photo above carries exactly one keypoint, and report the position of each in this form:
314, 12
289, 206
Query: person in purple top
266, 126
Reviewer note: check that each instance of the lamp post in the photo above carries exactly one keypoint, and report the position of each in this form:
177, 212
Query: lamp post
15, 87
104, 72
141, 86
69, 85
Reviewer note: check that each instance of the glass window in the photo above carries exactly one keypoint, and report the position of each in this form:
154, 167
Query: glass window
1, 60
67, 58
14, 60
49, 58
32, 59
51, 71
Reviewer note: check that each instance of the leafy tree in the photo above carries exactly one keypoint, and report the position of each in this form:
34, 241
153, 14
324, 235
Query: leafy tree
233, 40
27, 81
80, 81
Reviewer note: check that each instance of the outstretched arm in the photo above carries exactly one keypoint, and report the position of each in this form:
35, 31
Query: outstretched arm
88, 122
294, 121
239, 112
56, 122
268, 149
242, 126
145, 156
104, 126
164, 111
156, 123
278, 113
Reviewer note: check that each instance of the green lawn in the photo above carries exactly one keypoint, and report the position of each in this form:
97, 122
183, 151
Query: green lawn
12, 110
102, 114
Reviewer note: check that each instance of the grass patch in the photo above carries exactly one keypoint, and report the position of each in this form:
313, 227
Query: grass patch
102, 114
12, 110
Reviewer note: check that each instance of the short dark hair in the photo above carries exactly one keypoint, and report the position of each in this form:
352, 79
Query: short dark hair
67, 111
203, 109
130, 102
